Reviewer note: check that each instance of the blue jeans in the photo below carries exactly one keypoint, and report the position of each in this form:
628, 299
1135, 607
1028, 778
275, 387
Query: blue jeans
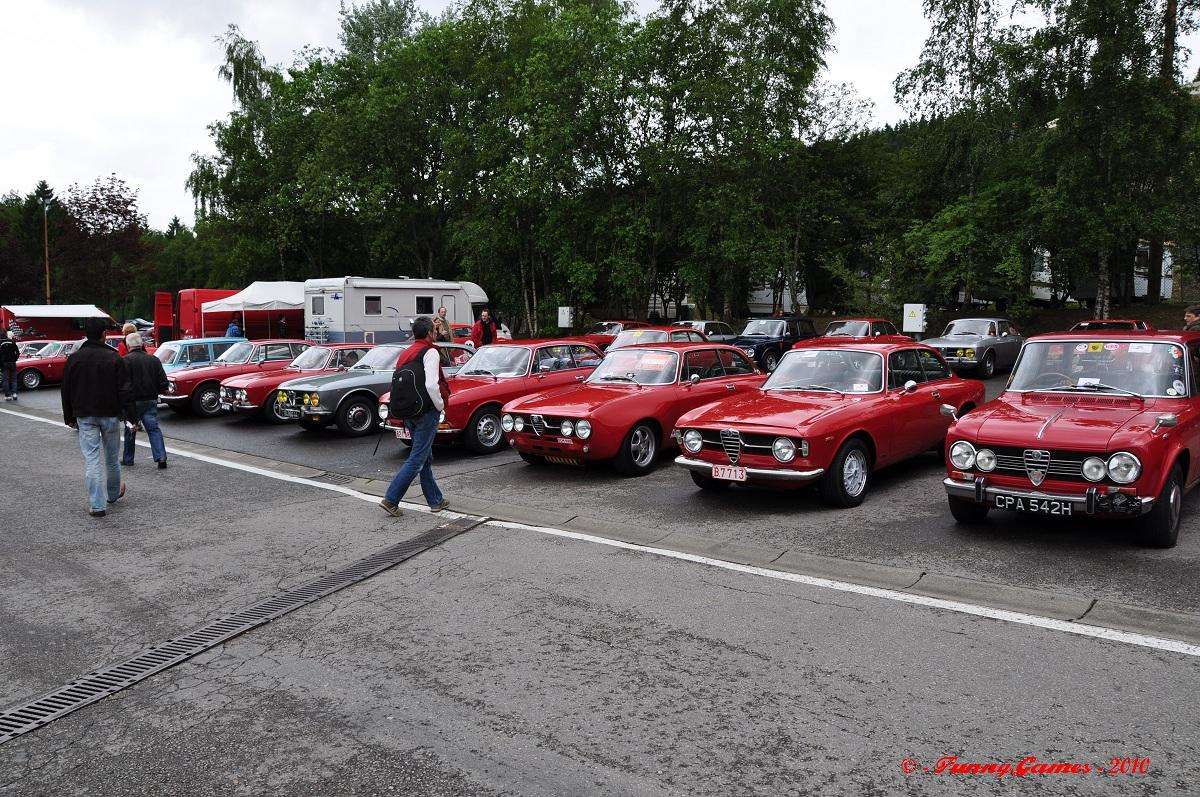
147, 413
423, 429
100, 438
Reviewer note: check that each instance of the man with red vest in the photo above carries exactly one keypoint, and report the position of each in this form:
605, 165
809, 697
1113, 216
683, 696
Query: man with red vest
423, 359
483, 333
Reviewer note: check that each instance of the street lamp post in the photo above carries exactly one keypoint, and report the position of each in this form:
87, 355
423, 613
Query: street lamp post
46, 242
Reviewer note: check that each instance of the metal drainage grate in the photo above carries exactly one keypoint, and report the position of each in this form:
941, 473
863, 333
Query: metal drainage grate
98, 684
334, 478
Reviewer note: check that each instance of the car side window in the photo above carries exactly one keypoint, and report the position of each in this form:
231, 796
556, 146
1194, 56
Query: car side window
1003, 328
722, 329
298, 348
678, 337
793, 329
903, 366
585, 357
807, 329
889, 328
554, 358
734, 363
933, 366
279, 351
220, 348
197, 353
347, 358
702, 363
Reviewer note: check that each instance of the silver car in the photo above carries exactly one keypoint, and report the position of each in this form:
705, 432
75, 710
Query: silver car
980, 345
349, 398
717, 331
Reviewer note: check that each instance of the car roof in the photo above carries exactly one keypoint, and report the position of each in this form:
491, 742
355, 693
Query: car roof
277, 340
988, 318
682, 346
1111, 321
1165, 335
569, 341
205, 340
654, 328
861, 344
344, 345
869, 319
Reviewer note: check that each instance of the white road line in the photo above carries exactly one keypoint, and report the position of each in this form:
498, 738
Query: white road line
975, 610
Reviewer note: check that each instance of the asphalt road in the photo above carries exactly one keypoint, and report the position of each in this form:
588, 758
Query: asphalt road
509, 661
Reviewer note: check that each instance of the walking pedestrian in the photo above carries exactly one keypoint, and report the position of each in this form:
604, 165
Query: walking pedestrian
10, 352
419, 394
484, 331
149, 380
127, 329
96, 397
441, 327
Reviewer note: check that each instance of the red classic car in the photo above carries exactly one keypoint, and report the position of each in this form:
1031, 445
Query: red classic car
199, 389
1113, 325
625, 411
30, 348
1100, 424
495, 375
649, 334
603, 332
45, 366
831, 413
254, 392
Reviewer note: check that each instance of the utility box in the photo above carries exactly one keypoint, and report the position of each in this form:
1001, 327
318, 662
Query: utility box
566, 317
914, 318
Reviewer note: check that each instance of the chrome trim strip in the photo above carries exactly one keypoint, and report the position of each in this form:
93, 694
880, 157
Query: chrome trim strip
766, 473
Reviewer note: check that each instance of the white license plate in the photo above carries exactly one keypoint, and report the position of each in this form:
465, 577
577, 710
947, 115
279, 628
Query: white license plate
1041, 506
730, 473
287, 412
225, 405
402, 433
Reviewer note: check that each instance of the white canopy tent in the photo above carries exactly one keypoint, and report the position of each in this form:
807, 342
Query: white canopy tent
259, 297
65, 310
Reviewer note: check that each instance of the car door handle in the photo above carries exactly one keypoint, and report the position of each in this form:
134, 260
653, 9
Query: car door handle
730, 387
937, 394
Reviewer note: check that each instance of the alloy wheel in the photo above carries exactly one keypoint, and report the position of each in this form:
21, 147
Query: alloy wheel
641, 446
854, 473
488, 430
358, 417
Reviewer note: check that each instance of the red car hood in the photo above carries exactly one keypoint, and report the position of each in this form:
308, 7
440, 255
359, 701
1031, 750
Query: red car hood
580, 400
1064, 421
471, 388
266, 379
777, 409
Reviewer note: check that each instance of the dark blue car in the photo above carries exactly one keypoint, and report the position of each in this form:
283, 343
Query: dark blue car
766, 339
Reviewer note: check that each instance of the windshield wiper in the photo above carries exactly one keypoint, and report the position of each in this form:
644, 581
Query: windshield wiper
811, 387
478, 371
1094, 386
618, 378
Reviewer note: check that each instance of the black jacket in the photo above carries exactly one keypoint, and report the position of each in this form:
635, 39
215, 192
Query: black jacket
9, 353
146, 374
96, 383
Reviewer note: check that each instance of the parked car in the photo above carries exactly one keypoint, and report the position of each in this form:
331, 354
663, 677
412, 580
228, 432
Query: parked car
766, 339
192, 352
255, 392
980, 345
198, 389
47, 365
30, 348
862, 329
602, 333
1113, 325
649, 334
350, 398
831, 413
625, 411
716, 331
1103, 425
495, 375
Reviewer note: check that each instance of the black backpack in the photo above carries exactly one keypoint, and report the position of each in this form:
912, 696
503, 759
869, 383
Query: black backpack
409, 398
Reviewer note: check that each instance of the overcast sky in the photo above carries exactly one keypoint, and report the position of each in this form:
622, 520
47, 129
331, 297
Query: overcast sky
129, 86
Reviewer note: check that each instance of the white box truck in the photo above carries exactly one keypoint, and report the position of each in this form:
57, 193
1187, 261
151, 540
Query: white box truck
377, 310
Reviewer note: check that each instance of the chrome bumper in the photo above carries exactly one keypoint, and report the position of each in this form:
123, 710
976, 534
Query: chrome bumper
1091, 503
781, 474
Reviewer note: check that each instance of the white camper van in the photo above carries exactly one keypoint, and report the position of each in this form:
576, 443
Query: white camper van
373, 310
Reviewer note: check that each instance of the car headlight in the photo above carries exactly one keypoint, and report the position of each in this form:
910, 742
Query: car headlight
519, 423
985, 460
693, 441
1124, 467
170, 387
241, 395
281, 397
1094, 469
506, 423
962, 455
783, 449
383, 412
583, 429
567, 428
969, 354
314, 399
304, 399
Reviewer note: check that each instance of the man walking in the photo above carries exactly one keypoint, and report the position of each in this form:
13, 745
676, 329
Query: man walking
149, 380
484, 331
424, 361
96, 397
9, 354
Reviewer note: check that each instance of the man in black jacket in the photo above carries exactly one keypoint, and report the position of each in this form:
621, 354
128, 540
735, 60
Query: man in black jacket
9, 354
96, 397
148, 378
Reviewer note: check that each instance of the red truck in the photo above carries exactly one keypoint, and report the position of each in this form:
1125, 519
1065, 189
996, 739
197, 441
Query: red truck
177, 317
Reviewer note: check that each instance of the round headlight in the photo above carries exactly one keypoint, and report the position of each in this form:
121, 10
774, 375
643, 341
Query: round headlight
583, 430
170, 387
304, 399
282, 397
783, 449
962, 455
1124, 467
383, 412
315, 399
567, 428
985, 459
693, 441
1094, 470
506, 423
241, 395
519, 423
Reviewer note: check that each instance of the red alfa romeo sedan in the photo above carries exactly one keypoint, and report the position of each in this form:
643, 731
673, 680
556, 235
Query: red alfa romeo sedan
1099, 424
199, 389
831, 413
254, 392
495, 375
626, 410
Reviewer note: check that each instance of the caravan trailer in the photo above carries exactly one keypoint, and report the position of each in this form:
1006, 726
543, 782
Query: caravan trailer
377, 310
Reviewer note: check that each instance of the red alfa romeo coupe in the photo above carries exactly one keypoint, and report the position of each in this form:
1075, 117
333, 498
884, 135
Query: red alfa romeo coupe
254, 392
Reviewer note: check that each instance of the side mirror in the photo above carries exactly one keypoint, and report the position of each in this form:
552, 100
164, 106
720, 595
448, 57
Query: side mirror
1166, 421
545, 368
948, 411
910, 386
694, 379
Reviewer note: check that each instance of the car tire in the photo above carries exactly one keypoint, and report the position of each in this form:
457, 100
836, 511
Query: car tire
30, 379
1160, 528
987, 368
638, 450
848, 478
708, 482
356, 417
270, 411
206, 400
533, 459
967, 512
483, 433
770, 360
311, 424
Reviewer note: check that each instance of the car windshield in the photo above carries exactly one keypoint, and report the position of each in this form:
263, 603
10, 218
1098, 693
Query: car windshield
379, 358
166, 353
828, 371
311, 359
497, 361
606, 328
636, 366
49, 350
1102, 366
967, 326
848, 329
237, 353
764, 327
632, 337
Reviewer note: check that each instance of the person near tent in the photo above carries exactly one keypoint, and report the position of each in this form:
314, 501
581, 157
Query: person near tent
282, 326
233, 330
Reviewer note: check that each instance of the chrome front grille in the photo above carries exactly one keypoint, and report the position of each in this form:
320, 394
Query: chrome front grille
731, 441
538, 423
1061, 465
